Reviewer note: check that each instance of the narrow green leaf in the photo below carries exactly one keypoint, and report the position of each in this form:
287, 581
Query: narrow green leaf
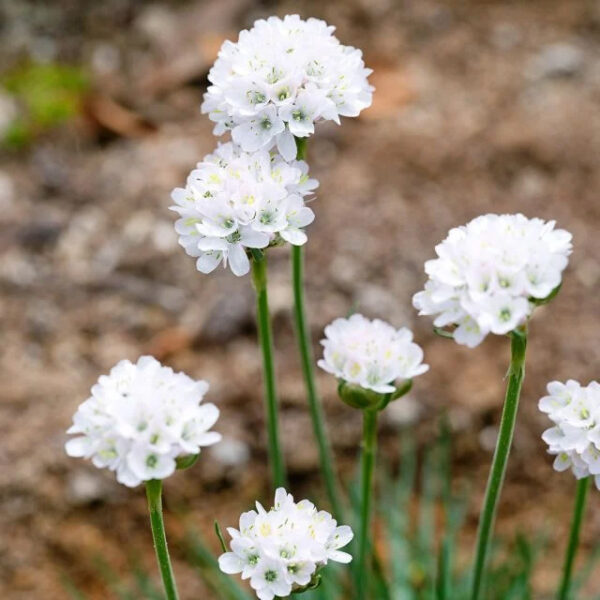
118, 587
581, 578
220, 536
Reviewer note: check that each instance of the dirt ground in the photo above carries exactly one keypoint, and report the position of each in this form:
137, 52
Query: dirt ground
480, 107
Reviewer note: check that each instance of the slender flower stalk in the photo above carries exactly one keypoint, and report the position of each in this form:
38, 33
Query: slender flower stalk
265, 338
583, 485
488, 278
516, 373
301, 143
154, 495
368, 358
306, 356
316, 411
369, 444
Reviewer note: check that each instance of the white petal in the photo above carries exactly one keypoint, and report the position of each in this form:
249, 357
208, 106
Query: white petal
286, 145
207, 244
341, 557
230, 563
208, 415
238, 261
208, 439
254, 239
295, 237
209, 261
78, 447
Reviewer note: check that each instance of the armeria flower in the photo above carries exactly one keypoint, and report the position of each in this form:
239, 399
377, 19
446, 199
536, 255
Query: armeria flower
235, 200
490, 274
282, 549
371, 354
575, 437
140, 418
279, 79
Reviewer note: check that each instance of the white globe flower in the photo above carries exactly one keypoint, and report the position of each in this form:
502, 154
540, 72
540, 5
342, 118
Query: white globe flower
279, 79
235, 200
140, 418
490, 274
575, 437
282, 549
370, 354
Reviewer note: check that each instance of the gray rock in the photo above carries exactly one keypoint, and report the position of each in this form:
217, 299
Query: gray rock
84, 488
556, 60
403, 412
231, 452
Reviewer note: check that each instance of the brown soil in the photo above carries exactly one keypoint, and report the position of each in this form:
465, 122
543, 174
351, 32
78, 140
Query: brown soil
480, 106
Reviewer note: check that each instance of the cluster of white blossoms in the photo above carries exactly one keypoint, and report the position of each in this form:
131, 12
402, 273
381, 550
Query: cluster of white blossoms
281, 550
140, 419
371, 354
575, 437
236, 200
490, 272
281, 77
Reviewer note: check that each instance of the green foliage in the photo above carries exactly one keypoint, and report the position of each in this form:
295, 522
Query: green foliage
47, 95
416, 550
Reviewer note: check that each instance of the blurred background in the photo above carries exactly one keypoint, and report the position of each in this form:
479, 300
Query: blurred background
479, 107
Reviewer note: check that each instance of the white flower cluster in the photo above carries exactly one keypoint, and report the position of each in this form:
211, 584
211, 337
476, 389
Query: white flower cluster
371, 354
575, 437
280, 550
489, 272
236, 200
140, 418
281, 77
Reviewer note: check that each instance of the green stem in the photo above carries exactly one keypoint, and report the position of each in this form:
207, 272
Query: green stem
301, 148
154, 495
265, 337
516, 373
369, 443
583, 485
314, 403
444, 583
307, 360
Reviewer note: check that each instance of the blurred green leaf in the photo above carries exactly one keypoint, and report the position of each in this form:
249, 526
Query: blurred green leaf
421, 526
72, 590
47, 94
586, 571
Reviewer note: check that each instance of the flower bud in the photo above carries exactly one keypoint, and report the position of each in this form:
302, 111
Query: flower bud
357, 397
187, 461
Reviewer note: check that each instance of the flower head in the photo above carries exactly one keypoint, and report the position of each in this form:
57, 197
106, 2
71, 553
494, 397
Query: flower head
490, 274
140, 418
575, 437
281, 77
370, 354
280, 550
235, 200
